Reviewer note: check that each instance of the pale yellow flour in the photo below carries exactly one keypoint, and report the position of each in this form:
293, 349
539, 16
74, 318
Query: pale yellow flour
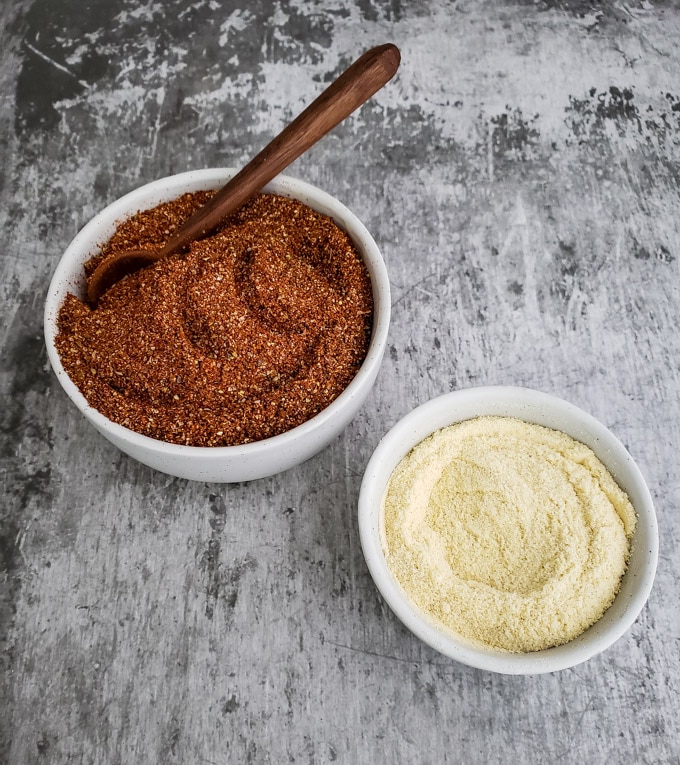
506, 534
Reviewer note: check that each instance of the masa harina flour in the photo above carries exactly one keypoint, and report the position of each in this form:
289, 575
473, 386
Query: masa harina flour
506, 534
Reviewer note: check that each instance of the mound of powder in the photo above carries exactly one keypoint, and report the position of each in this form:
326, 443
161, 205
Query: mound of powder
506, 534
256, 329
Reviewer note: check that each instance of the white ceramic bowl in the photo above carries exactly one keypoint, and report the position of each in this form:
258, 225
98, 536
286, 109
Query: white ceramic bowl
229, 463
542, 409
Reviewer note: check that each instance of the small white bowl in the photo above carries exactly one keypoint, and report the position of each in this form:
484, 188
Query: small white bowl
224, 464
541, 409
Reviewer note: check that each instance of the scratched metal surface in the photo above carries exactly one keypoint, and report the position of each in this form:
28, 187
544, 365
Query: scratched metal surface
521, 177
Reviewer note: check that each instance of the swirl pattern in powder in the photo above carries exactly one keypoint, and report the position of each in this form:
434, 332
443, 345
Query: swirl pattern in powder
506, 534
255, 330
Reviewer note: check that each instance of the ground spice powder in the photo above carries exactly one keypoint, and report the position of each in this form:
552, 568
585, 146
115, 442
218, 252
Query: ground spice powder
255, 330
506, 534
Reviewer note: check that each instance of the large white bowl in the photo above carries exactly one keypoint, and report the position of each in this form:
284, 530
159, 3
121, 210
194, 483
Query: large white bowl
223, 463
542, 409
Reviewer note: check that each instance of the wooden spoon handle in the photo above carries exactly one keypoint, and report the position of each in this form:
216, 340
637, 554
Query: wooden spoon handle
355, 86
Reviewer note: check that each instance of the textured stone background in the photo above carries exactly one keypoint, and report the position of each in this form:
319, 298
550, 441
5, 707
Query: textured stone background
522, 178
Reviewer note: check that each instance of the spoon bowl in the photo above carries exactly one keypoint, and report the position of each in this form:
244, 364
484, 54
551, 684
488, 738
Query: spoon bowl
347, 93
116, 268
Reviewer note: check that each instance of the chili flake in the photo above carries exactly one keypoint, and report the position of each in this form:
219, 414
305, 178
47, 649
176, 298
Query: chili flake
253, 331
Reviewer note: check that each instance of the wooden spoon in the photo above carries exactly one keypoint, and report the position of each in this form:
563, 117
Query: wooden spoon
352, 88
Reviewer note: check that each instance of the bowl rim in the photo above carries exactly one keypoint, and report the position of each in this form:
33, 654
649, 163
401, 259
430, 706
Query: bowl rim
168, 188
413, 428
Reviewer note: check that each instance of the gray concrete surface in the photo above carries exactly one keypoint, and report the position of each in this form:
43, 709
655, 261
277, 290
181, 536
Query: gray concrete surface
521, 177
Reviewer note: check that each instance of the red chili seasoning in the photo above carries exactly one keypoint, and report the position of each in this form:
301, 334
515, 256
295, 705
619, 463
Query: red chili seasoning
255, 330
